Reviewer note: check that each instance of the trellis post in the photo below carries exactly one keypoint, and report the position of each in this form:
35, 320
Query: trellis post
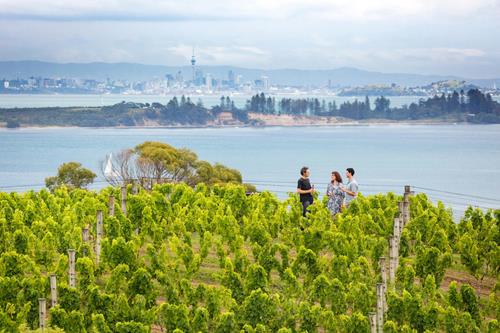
124, 200
111, 205
373, 322
72, 272
380, 307
383, 273
42, 310
99, 234
53, 290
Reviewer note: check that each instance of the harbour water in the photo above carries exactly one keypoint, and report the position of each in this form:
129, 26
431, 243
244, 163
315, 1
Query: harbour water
67, 100
457, 164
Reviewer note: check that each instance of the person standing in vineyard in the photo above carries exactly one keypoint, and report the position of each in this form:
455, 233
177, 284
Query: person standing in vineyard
351, 189
305, 189
335, 194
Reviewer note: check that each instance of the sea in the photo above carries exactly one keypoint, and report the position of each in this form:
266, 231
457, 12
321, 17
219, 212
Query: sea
457, 164
208, 100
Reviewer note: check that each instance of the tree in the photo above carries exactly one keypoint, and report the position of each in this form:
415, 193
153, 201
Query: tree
72, 175
382, 105
158, 162
12, 124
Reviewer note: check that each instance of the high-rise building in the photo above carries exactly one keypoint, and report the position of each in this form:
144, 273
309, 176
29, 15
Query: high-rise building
265, 82
239, 79
231, 78
169, 79
193, 66
208, 81
179, 78
198, 77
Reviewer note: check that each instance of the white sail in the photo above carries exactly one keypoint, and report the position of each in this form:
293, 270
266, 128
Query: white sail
109, 171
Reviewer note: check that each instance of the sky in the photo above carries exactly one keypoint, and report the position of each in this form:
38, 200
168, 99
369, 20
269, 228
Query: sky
448, 37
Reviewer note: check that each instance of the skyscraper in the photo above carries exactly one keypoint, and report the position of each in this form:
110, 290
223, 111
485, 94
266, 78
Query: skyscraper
193, 66
265, 82
208, 81
230, 78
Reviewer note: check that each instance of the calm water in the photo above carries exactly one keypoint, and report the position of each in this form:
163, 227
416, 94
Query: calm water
454, 158
25, 100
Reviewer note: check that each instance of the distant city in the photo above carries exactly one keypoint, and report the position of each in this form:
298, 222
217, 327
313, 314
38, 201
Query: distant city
194, 80
182, 83
205, 84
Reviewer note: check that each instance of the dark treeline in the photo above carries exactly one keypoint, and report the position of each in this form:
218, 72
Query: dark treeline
474, 105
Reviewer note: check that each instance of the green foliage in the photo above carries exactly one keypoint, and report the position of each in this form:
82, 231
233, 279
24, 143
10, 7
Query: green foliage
141, 284
99, 324
212, 258
256, 278
11, 264
259, 308
72, 175
432, 261
173, 317
454, 298
20, 241
479, 244
120, 252
68, 298
159, 162
131, 327
469, 301
200, 320
85, 268
227, 323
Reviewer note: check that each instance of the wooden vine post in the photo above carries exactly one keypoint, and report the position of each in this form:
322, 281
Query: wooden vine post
380, 307
111, 205
373, 322
124, 200
377, 318
42, 311
383, 273
53, 290
72, 271
99, 234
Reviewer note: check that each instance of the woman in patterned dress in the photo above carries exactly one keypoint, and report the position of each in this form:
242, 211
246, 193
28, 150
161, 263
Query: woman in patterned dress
335, 194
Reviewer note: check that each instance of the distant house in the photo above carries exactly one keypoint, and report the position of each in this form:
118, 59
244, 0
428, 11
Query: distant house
225, 117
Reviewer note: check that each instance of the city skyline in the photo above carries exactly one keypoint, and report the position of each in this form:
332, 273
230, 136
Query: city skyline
416, 36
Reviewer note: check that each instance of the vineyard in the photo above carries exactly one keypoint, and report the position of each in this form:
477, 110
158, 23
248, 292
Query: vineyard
213, 259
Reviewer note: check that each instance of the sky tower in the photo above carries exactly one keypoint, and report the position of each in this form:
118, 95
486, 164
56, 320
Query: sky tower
193, 64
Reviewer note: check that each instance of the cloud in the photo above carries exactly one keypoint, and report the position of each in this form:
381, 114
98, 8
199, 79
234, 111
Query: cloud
407, 56
442, 36
174, 10
365, 10
223, 55
435, 55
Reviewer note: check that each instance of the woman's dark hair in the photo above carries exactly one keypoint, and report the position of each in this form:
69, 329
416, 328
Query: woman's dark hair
351, 171
303, 170
337, 176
